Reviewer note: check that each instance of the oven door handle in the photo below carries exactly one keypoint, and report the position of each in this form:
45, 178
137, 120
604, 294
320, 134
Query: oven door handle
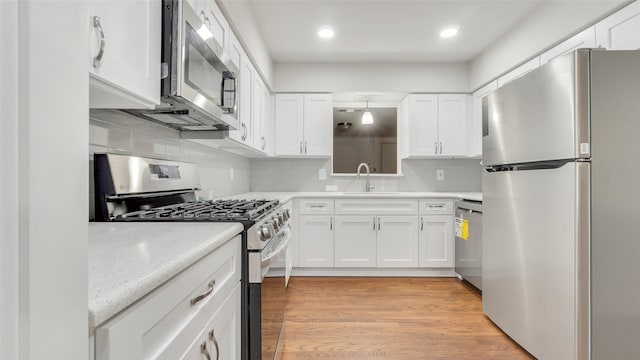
282, 247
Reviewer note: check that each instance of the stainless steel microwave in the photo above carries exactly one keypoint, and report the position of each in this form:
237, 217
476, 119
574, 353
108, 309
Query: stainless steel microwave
198, 85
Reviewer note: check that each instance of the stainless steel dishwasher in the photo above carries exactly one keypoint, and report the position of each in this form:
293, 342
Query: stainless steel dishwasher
468, 230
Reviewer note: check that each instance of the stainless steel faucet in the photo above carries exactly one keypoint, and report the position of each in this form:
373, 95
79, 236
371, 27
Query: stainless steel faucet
367, 186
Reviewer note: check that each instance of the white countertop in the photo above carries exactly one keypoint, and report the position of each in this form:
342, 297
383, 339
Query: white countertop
286, 196
128, 260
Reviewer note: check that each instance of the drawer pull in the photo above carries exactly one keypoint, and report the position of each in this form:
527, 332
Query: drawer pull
432, 206
316, 206
204, 351
199, 298
374, 223
97, 60
212, 338
421, 223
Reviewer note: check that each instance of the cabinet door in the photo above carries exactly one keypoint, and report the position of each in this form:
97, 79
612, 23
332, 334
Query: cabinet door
474, 130
620, 31
288, 121
257, 109
316, 241
355, 241
436, 241
216, 22
318, 124
422, 119
519, 71
585, 39
267, 122
245, 103
397, 241
234, 49
221, 336
131, 59
452, 124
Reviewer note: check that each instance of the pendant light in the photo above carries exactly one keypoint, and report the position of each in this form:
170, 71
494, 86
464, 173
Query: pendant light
367, 117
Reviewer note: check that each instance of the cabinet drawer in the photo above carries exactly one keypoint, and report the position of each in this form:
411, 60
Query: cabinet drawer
145, 329
436, 206
316, 206
376, 206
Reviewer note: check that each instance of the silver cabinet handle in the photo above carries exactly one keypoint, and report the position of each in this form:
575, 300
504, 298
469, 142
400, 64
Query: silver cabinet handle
436, 147
202, 15
300, 147
435, 206
199, 298
330, 223
421, 223
204, 351
316, 206
212, 338
207, 22
441, 147
305, 147
374, 223
264, 143
97, 60
246, 132
378, 224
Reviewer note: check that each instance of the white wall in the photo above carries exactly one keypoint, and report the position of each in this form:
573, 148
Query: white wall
119, 132
419, 175
44, 139
547, 25
347, 77
240, 16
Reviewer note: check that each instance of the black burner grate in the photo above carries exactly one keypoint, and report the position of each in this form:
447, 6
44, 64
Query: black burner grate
212, 210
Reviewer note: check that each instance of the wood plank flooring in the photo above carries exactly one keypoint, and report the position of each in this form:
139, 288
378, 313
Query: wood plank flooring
390, 318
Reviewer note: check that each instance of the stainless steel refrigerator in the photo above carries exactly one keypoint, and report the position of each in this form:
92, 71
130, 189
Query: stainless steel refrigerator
561, 253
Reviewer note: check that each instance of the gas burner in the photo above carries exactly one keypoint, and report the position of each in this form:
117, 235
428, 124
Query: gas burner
210, 210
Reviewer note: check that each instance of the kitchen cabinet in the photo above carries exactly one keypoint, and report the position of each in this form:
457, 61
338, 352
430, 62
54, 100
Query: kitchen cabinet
304, 125
380, 235
474, 129
620, 31
174, 320
436, 239
434, 125
355, 241
397, 241
124, 54
262, 120
316, 247
518, 72
213, 19
585, 39
245, 82
234, 49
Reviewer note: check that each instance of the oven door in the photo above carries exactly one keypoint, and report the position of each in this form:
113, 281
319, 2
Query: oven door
267, 301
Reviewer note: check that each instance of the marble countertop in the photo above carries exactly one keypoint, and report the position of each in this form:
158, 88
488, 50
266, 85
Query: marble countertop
286, 196
129, 260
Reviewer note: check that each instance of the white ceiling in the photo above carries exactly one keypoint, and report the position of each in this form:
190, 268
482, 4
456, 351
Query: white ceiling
384, 30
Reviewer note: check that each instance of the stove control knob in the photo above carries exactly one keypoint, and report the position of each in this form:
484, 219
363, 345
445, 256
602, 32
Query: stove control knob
286, 214
274, 224
281, 219
264, 233
278, 220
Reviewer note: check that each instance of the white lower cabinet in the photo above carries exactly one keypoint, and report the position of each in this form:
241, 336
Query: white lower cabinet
183, 318
397, 241
355, 241
316, 240
436, 241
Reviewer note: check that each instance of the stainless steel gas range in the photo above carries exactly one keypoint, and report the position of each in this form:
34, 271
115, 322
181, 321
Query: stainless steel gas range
129, 188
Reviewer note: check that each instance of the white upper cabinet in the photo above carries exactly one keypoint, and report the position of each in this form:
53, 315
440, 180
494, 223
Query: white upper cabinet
318, 124
213, 19
124, 54
518, 72
474, 129
434, 125
234, 49
244, 134
585, 39
304, 124
620, 31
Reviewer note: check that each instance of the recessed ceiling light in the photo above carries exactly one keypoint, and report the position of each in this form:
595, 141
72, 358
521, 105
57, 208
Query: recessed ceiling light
449, 32
326, 32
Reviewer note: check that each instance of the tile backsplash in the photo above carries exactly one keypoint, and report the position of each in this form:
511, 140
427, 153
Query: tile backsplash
118, 132
418, 175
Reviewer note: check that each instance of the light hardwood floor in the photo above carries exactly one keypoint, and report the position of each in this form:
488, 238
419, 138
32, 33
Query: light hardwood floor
390, 318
